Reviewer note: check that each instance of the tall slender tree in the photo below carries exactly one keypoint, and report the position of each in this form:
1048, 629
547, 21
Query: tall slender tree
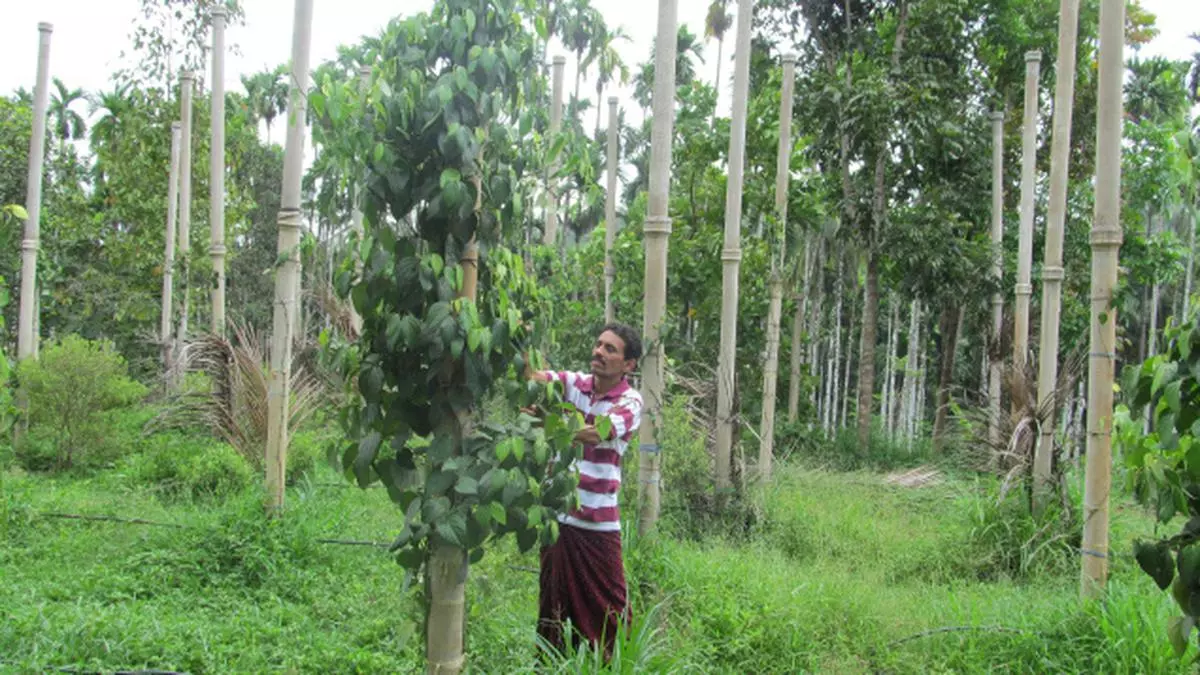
1052, 267
26, 336
731, 254
778, 265
1106, 243
657, 230
288, 272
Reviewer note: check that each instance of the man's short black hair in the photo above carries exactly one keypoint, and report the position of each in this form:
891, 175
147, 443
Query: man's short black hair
633, 341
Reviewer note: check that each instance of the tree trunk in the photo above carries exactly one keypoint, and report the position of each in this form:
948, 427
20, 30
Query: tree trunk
550, 231
287, 274
185, 204
995, 357
26, 334
610, 209
657, 233
1052, 269
866, 348
216, 180
843, 416
797, 354
356, 217
908, 393
168, 286
949, 327
1106, 242
775, 306
1024, 287
444, 644
732, 253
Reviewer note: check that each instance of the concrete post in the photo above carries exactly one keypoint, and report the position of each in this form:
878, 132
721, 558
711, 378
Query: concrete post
216, 181
286, 275
657, 231
26, 338
731, 254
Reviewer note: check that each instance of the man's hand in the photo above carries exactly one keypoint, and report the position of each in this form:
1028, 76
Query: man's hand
588, 435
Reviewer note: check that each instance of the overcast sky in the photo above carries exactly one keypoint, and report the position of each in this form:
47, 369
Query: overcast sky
89, 36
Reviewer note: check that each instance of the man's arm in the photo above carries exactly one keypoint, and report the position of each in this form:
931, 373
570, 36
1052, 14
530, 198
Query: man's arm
623, 419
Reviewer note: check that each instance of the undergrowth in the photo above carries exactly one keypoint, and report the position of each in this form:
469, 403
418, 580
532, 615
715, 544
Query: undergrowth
820, 571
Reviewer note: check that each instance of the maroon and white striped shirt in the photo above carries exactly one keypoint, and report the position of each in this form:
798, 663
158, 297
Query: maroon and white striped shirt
600, 466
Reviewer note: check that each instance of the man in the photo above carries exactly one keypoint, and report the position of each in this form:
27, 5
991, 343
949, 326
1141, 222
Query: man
582, 575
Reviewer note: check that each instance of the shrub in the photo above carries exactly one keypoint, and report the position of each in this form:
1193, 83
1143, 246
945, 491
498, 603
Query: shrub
69, 387
181, 465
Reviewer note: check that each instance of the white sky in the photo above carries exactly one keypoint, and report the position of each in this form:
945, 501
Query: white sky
90, 34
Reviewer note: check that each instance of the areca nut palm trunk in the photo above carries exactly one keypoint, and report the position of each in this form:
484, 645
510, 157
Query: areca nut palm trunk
186, 80
447, 563
216, 180
1106, 243
731, 254
995, 358
1052, 265
775, 305
26, 337
610, 210
168, 285
797, 354
356, 218
657, 231
550, 232
1024, 287
287, 274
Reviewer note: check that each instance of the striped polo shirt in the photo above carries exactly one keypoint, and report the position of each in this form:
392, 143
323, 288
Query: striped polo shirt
600, 466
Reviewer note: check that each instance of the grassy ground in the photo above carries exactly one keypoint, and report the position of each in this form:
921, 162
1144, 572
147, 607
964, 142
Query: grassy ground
838, 573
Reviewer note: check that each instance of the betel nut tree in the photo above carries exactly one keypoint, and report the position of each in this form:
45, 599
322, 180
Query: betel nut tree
448, 315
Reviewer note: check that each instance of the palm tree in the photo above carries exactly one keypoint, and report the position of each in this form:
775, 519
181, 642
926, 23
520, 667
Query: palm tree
67, 124
1194, 78
584, 31
107, 131
113, 104
266, 95
609, 63
687, 47
716, 24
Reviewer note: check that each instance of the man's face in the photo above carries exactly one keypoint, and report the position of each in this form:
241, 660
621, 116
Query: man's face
608, 356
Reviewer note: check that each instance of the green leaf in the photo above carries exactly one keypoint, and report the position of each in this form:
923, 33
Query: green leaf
604, 426
539, 24
449, 176
1155, 560
466, 486
499, 514
1163, 373
1171, 395
410, 558
1179, 629
17, 211
368, 447
526, 538
439, 482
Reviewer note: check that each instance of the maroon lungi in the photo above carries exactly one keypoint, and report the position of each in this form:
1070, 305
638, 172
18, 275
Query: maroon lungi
583, 581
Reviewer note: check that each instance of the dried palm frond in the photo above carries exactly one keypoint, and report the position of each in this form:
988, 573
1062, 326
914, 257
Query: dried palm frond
235, 406
339, 311
1011, 450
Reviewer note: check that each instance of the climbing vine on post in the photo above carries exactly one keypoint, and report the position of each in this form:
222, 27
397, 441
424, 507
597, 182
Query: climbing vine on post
447, 317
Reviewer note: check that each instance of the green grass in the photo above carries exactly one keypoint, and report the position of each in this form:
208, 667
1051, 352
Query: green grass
837, 573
